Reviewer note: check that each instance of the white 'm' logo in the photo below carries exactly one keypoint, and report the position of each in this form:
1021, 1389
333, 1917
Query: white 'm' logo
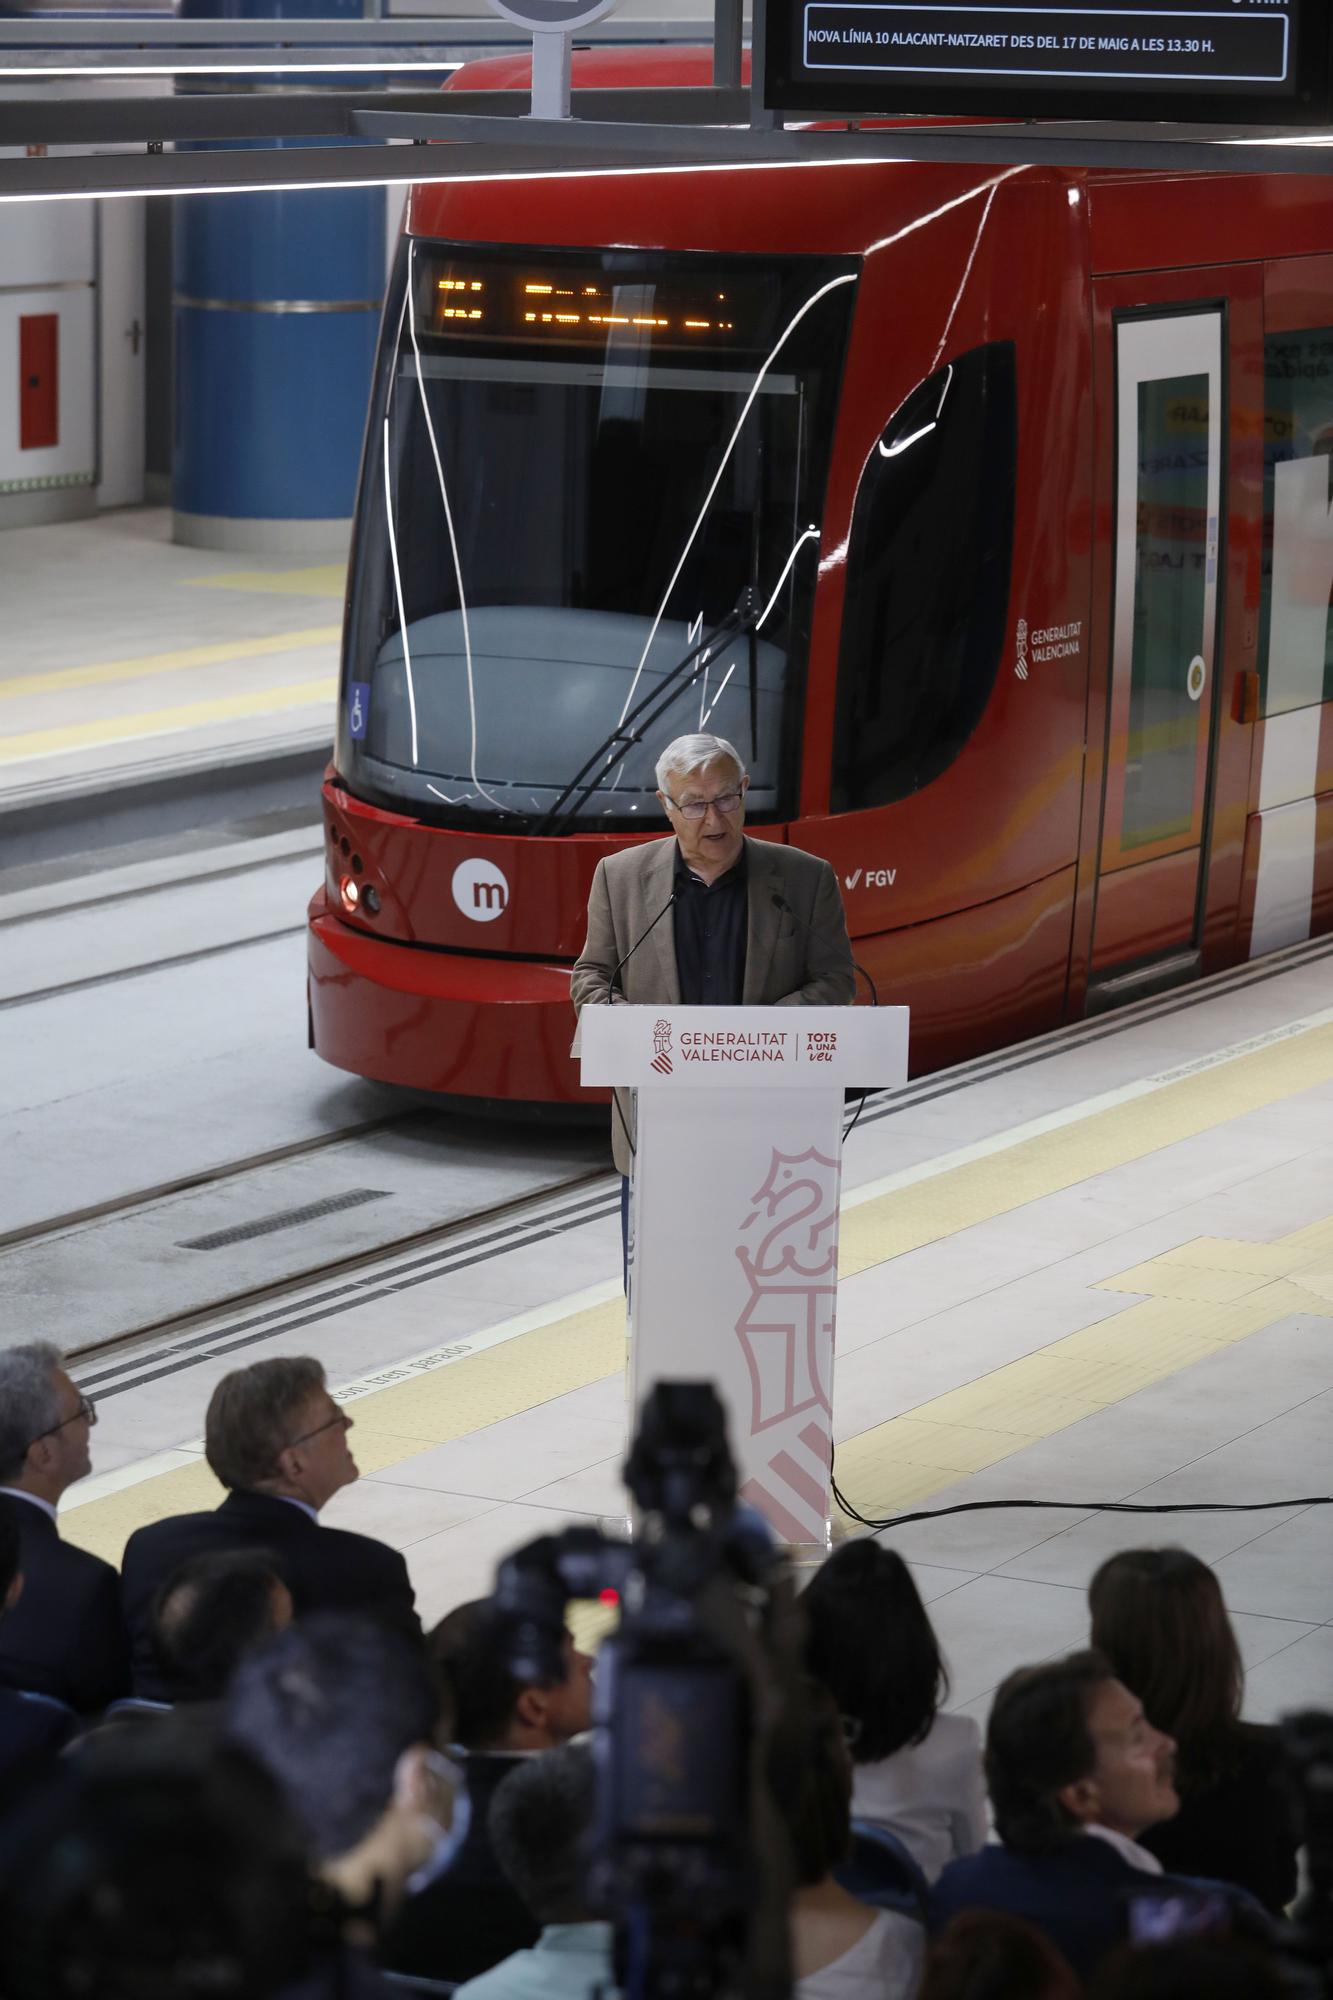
480, 891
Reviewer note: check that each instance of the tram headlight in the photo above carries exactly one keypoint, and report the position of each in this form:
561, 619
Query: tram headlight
350, 892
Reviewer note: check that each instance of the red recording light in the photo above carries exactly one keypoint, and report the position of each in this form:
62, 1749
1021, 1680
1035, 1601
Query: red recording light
608, 1597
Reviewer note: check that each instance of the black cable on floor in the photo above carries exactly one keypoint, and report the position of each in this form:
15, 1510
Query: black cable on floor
1078, 1506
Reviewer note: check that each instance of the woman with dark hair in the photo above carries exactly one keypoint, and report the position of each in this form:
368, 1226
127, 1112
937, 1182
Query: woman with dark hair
1158, 1616
916, 1771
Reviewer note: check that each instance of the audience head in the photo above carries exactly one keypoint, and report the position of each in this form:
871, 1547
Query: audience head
493, 1710
1158, 1616
212, 1611
869, 1641
274, 1428
537, 1822
11, 1575
1218, 1968
1067, 1747
45, 1422
158, 1863
989, 1955
809, 1776
345, 1713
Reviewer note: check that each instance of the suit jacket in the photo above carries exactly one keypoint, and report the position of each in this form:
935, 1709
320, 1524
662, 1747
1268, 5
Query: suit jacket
472, 1916
326, 1569
65, 1636
31, 1735
1077, 1894
797, 953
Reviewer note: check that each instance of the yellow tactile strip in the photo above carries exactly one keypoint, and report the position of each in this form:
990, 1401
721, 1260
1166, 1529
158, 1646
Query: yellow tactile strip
995, 1185
100, 673
398, 1423
318, 580
1203, 1297
160, 721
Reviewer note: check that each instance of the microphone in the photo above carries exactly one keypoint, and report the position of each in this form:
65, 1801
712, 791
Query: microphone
669, 904
610, 996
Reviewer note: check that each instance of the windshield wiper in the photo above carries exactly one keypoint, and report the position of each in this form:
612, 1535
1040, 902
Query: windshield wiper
652, 706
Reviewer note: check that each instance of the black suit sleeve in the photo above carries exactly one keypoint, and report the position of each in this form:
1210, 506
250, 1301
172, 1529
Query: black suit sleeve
99, 1662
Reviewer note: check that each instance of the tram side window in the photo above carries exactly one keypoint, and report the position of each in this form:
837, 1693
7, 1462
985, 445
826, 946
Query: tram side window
927, 581
1296, 630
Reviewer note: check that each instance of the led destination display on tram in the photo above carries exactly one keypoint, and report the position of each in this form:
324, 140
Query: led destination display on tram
1257, 60
563, 302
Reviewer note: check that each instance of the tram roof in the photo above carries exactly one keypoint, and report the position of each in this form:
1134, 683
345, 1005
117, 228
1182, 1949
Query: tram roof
1140, 217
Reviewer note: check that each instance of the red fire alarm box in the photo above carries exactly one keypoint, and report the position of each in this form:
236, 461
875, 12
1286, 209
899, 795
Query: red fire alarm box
39, 381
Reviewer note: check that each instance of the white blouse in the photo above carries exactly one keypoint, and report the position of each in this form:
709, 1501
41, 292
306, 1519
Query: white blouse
884, 1964
931, 1794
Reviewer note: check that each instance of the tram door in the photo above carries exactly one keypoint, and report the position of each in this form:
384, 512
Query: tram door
1163, 465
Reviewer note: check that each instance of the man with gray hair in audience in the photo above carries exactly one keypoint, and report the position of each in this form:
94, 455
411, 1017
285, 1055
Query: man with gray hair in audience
277, 1441
538, 1820
64, 1637
752, 922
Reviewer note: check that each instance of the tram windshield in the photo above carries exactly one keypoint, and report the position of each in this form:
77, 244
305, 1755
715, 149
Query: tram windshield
589, 523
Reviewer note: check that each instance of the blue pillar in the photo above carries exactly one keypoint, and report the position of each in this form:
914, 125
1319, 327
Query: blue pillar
277, 304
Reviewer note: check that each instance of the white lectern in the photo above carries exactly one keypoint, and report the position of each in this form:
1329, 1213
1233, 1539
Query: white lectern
734, 1230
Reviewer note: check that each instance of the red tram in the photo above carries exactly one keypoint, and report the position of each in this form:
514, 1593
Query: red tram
987, 511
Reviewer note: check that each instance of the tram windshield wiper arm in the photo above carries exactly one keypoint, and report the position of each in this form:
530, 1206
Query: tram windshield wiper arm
744, 617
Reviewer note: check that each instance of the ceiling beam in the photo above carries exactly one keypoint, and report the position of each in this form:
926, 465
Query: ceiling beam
197, 116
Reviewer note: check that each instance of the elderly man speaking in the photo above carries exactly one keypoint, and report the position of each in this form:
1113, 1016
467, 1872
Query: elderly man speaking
710, 917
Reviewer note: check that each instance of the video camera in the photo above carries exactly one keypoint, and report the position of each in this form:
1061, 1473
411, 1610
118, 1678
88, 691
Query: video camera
1307, 1939
686, 1854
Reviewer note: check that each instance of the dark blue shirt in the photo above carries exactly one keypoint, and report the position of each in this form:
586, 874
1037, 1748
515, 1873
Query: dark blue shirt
711, 921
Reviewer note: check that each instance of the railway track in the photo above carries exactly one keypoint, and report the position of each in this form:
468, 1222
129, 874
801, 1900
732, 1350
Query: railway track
264, 1313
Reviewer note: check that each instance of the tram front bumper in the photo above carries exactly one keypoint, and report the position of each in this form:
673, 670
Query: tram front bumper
454, 1022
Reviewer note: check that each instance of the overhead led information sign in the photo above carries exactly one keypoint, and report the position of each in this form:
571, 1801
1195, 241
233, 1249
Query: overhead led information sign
1233, 62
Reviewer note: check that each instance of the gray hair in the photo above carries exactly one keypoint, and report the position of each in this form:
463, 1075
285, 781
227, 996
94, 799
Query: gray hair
537, 1821
691, 753
251, 1415
29, 1402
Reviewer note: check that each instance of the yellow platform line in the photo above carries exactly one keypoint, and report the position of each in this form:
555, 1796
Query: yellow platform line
138, 668
998, 1183
319, 580
903, 1460
395, 1424
160, 721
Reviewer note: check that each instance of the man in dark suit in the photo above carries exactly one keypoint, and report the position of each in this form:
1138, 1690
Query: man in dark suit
32, 1729
277, 1441
710, 917
64, 1636
470, 1916
1076, 1773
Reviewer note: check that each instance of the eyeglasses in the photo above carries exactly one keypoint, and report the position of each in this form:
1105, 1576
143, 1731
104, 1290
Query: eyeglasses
340, 1422
726, 803
87, 1411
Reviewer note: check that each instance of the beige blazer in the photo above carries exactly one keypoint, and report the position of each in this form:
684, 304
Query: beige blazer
797, 953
